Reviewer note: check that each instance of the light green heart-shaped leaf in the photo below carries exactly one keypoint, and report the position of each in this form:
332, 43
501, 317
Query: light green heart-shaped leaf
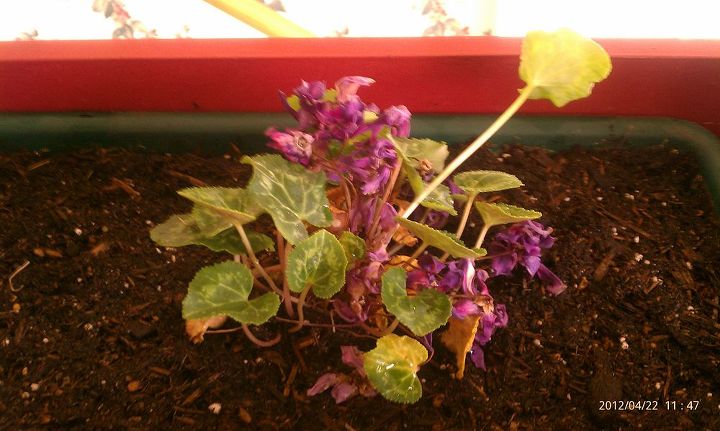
562, 66
235, 205
392, 368
223, 290
474, 182
318, 262
417, 150
353, 245
438, 199
182, 230
445, 241
497, 213
290, 193
422, 313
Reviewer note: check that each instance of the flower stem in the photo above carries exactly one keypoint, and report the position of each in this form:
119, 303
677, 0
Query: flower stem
301, 310
481, 237
471, 149
465, 214
283, 252
257, 341
255, 260
379, 204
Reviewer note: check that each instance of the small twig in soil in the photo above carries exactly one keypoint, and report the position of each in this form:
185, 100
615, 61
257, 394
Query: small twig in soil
16, 272
124, 186
190, 179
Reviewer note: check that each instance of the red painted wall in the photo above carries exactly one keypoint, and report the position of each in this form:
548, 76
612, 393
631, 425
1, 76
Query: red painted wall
670, 78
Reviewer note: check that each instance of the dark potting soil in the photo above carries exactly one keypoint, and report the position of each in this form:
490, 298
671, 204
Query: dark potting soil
91, 334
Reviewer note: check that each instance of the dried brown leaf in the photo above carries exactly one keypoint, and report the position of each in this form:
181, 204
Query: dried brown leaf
459, 339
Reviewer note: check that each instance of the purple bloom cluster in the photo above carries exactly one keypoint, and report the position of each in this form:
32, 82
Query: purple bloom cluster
522, 244
461, 278
339, 133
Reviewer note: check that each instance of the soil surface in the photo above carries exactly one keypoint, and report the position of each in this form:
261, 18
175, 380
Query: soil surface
91, 334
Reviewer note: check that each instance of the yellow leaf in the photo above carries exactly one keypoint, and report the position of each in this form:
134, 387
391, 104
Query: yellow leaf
459, 339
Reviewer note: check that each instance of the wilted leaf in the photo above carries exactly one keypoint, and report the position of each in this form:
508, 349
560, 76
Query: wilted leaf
290, 193
459, 339
417, 150
445, 241
438, 199
562, 66
318, 261
392, 368
497, 213
182, 230
196, 328
234, 204
353, 245
422, 313
223, 290
474, 182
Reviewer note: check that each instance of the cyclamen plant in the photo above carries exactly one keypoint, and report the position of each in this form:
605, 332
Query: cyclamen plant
350, 239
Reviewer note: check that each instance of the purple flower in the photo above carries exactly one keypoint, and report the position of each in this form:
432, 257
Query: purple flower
523, 243
398, 118
464, 308
295, 146
489, 323
353, 357
348, 86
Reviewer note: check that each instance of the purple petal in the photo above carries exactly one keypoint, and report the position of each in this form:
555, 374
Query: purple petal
431, 264
342, 391
501, 316
477, 356
348, 86
398, 118
353, 357
531, 263
322, 384
504, 264
552, 282
464, 308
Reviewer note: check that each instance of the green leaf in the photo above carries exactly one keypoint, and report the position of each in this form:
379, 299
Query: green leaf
439, 199
290, 193
562, 66
223, 290
422, 313
417, 150
497, 213
235, 205
445, 241
318, 261
229, 241
353, 245
182, 230
392, 368
209, 221
177, 231
474, 182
